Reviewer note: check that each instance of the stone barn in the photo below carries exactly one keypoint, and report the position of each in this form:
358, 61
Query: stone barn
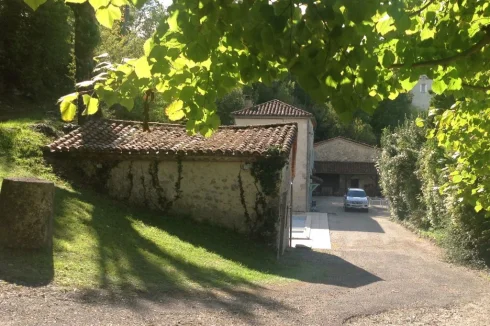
238, 178
343, 163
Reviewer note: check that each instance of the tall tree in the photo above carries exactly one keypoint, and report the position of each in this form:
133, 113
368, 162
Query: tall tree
86, 39
35, 50
353, 54
392, 113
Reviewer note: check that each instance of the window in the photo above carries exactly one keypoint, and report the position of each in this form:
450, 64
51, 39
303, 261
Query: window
423, 88
356, 193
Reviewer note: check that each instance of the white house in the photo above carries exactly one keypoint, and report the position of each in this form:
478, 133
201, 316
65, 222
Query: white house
276, 111
421, 93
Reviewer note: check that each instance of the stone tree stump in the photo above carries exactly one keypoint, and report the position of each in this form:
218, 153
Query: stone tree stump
26, 213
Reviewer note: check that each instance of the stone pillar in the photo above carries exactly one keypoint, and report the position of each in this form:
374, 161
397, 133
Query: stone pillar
26, 213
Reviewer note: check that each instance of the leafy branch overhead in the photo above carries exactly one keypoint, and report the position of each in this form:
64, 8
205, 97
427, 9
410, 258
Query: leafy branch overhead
350, 53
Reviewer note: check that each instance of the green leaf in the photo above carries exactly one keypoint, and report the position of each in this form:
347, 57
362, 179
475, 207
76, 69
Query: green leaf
34, 4
419, 122
385, 25
455, 84
142, 68
407, 84
75, 1
197, 51
127, 102
172, 21
330, 81
68, 110
107, 16
98, 3
120, 3
457, 178
86, 99
186, 93
175, 110
426, 34
69, 97
439, 86
148, 46
478, 207
388, 58
403, 23
91, 104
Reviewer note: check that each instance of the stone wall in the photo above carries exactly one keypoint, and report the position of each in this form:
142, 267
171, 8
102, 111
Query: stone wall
301, 182
209, 190
343, 150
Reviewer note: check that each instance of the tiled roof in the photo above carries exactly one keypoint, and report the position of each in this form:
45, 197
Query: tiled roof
274, 108
343, 138
345, 168
128, 137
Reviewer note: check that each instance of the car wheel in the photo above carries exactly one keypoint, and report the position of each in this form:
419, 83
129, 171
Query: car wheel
366, 210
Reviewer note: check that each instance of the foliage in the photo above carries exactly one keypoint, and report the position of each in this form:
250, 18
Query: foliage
413, 174
36, 58
350, 53
266, 172
431, 162
21, 148
397, 165
259, 41
392, 113
329, 125
232, 101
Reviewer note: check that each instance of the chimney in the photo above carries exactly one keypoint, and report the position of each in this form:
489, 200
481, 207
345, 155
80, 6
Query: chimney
247, 101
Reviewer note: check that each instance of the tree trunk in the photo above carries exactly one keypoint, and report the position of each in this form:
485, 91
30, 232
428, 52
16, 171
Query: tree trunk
26, 213
87, 37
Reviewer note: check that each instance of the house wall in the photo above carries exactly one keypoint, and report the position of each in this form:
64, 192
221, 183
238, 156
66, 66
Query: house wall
422, 100
210, 190
285, 207
341, 150
301, 182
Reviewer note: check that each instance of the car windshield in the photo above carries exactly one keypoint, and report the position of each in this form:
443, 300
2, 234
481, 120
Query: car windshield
356, 193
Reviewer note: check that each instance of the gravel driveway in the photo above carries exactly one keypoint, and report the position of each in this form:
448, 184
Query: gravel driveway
377, 273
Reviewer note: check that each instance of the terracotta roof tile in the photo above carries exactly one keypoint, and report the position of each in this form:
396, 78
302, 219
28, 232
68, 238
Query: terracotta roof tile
128, 137
273, 108
343, 138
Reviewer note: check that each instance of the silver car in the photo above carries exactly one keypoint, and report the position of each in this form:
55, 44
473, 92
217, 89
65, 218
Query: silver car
356, 198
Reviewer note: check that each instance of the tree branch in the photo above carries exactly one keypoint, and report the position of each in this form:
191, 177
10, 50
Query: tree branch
477, 87
475, 48
415, 13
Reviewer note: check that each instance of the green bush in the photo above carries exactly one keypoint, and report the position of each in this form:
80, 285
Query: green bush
468, 236
430, 164
397, 165
21, 147
412, 171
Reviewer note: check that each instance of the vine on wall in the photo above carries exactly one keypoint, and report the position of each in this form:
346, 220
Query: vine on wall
164, 203
266, 172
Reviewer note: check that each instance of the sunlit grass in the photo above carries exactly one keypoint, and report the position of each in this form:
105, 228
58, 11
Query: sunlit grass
102, 243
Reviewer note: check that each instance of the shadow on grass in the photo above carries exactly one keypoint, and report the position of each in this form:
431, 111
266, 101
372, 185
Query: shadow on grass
29, 268
161, 258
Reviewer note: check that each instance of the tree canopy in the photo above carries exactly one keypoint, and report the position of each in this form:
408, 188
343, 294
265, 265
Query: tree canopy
352, 54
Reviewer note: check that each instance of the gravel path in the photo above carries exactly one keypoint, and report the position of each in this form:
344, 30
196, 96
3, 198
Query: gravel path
377, 273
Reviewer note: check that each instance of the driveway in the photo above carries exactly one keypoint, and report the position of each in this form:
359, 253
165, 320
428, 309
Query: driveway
377, 273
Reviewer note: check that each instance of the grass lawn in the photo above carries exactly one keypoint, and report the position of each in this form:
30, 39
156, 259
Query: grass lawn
102, 243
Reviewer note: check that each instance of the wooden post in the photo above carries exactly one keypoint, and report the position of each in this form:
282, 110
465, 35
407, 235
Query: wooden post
26, 213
